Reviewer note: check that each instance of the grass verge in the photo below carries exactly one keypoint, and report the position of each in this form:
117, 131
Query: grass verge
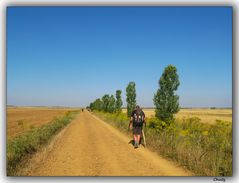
24, 145
205, 149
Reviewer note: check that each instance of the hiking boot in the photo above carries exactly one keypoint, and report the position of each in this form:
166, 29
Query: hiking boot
136, 145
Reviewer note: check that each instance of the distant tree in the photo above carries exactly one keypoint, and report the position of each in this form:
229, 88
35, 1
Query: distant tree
98, 104
105, 103
165, 100
111, 106
91, 106
130, 97
119, 102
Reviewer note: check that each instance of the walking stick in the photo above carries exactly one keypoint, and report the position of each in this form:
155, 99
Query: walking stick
144, 138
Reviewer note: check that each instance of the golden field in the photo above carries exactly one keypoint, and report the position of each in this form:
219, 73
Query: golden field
21, 119
206, 115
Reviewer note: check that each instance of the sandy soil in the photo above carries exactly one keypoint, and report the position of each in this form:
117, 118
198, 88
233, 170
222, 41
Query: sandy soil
91, 147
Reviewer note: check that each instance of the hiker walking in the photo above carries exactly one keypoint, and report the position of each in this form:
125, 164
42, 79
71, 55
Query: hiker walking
137, 120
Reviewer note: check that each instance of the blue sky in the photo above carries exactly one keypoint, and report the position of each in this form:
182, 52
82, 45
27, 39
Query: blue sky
72, 55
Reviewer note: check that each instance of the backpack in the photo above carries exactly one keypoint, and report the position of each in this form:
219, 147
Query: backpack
138, 118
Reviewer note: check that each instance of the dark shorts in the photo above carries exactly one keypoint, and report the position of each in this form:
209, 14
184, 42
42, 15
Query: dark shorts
137, 130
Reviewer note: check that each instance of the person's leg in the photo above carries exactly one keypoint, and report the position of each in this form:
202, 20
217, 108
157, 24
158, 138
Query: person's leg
135, 138
136, 142
137, 132
138, 138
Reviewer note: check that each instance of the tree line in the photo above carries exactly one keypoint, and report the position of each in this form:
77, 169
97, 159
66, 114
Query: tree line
165, 99
108, 103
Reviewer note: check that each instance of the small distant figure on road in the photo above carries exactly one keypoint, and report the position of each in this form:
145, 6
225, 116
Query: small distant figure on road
82, 110
137, 120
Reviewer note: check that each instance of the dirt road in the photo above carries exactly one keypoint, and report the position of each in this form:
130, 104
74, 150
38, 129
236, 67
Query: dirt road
91, 147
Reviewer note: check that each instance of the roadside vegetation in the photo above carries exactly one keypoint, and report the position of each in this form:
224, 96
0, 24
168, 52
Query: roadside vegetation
205, 149
23, 146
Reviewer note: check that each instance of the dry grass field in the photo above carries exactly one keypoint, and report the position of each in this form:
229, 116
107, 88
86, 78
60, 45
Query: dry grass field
206, 115
21, 119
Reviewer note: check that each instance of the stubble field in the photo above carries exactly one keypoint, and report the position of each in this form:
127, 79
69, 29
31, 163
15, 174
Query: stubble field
22, 119
206, 115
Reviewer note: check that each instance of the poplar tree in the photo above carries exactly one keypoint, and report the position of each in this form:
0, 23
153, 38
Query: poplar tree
119, 102
111, 106
130, 97
165, 100
105, 103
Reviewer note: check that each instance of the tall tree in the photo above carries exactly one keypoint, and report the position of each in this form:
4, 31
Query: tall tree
119, 102
98, 104
91, 106
165, 100
111, 106
105, 103
130, 97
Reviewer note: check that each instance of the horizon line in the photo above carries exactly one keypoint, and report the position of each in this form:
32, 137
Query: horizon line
147, 107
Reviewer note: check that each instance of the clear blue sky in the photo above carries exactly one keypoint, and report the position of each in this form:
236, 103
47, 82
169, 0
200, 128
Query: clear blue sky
72, 55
